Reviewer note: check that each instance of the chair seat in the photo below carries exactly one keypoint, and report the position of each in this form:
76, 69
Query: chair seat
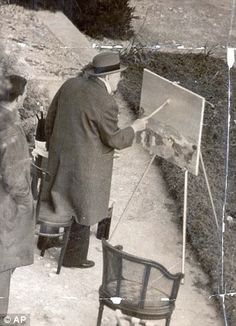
156, 303
136, 286
48, 216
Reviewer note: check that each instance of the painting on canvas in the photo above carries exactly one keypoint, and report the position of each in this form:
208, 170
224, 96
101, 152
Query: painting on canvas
173, 132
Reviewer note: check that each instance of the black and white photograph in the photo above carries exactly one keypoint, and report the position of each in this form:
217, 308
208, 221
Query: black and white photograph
117, 162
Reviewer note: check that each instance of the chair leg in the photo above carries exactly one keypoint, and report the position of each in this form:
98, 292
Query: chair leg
44, 247
100, 312
168, 321
63, 250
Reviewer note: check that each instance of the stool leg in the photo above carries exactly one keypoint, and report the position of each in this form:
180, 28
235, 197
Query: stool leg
100, 312
63, 250
44, 247
168, 321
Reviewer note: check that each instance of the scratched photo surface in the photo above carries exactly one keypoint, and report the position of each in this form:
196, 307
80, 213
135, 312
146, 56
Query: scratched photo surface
41, 43
174, 132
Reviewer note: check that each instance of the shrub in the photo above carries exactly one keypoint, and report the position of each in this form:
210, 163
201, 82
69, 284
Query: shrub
104, 18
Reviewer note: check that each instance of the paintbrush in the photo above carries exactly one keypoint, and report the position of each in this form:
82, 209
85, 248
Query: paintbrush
158, 109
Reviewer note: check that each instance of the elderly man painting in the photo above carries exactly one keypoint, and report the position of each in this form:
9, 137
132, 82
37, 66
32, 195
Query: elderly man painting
16, 203
82, 132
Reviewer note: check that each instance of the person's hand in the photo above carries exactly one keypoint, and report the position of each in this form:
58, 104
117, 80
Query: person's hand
140, 124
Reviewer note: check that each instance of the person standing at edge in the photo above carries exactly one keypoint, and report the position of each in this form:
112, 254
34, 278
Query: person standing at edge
17, 223
81, 133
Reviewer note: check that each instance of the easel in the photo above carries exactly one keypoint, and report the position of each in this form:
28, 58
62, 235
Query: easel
184, 228
185, 194
185, 209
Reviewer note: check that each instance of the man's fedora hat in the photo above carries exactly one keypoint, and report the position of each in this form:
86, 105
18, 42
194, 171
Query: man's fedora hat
105, 63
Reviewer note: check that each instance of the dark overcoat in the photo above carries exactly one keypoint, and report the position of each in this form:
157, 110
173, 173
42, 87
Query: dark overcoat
82, 132
16, 204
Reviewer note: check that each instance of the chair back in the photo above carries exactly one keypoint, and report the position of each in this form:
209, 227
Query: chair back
146, 287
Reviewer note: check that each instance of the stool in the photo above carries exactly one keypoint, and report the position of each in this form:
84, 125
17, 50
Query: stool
48, 231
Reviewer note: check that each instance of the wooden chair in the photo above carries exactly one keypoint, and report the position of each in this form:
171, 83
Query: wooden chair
138, 287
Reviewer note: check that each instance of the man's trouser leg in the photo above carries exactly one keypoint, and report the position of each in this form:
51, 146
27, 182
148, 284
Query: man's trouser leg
5, 279
78, 245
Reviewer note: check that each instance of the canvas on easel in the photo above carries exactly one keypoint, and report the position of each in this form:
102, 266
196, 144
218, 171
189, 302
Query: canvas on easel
174, 132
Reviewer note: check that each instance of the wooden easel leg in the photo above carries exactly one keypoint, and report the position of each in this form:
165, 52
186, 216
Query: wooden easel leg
184, 221
133, 193
209, 191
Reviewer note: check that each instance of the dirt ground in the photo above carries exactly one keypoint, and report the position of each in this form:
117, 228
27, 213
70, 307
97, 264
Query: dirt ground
168, 23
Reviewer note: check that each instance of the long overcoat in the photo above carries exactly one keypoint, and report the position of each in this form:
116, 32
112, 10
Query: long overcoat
82, 132
16, 204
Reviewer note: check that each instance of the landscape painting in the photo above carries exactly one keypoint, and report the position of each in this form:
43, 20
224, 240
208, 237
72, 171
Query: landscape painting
174, 131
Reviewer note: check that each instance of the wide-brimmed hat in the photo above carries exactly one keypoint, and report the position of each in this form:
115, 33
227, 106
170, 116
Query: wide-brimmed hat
105, 63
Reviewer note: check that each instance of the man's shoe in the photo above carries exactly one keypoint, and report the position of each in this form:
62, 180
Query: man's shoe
86, 264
